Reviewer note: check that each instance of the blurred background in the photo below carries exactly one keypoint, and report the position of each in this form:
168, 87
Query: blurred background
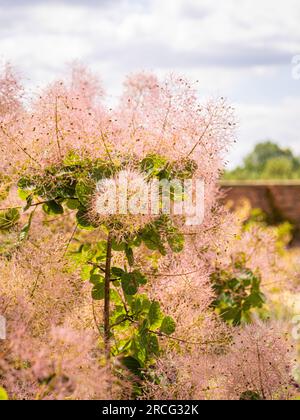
246, 50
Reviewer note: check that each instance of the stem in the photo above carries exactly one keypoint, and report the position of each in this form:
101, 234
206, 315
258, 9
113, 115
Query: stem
260, 373
56, 127
39, 203
107, 298
70, 240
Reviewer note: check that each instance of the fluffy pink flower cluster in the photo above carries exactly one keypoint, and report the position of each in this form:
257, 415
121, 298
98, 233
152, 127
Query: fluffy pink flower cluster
256, 365
151, 117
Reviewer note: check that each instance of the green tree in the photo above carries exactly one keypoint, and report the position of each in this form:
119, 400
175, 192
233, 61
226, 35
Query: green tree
278, 168
267, 161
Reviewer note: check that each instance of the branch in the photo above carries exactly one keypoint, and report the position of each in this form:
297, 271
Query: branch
201, 137
34, 204
70, 240
95, 318
107, 297
173, 275
56, 127
203, 343
97, 266
36, 283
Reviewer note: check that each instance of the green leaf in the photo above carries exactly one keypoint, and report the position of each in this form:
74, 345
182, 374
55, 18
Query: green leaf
98, 290
255, 300
129, 284
3, 394
72, 159
117, 272
84, 191
72, 203
153, 240
86, 272
230, 314
25, 188
139, 277
153, 164
138, 348
29, 201
140, 304
23, 194
129, 255
153, 345
168, 325
96, 279
83, 220
101, 251
250, 396
238, 292
155, 315
234, 284
237, 319
53, 208
176, 241
115, 297
132, 365
85, 253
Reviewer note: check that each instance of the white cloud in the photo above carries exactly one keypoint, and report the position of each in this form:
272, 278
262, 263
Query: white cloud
239, 49
279, 122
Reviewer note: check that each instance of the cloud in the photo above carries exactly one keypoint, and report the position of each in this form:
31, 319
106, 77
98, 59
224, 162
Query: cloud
153, 54
243, 51
258, 122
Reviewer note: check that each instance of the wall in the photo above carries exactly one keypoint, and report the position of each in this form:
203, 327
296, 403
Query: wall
280, 200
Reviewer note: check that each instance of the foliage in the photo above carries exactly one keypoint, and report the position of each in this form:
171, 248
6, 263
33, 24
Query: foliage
238, 293
267, 161
136, 322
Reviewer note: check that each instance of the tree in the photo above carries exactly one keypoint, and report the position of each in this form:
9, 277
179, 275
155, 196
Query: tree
278, 168
267, 161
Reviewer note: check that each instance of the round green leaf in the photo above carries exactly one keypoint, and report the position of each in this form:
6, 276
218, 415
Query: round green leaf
117, 272
83, 220
155, 315
72, 203
168, 325
129, 284
98, 291
53, 208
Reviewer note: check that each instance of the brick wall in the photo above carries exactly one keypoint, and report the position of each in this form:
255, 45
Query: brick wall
279, 200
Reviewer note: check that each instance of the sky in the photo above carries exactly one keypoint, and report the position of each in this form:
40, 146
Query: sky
241, 49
